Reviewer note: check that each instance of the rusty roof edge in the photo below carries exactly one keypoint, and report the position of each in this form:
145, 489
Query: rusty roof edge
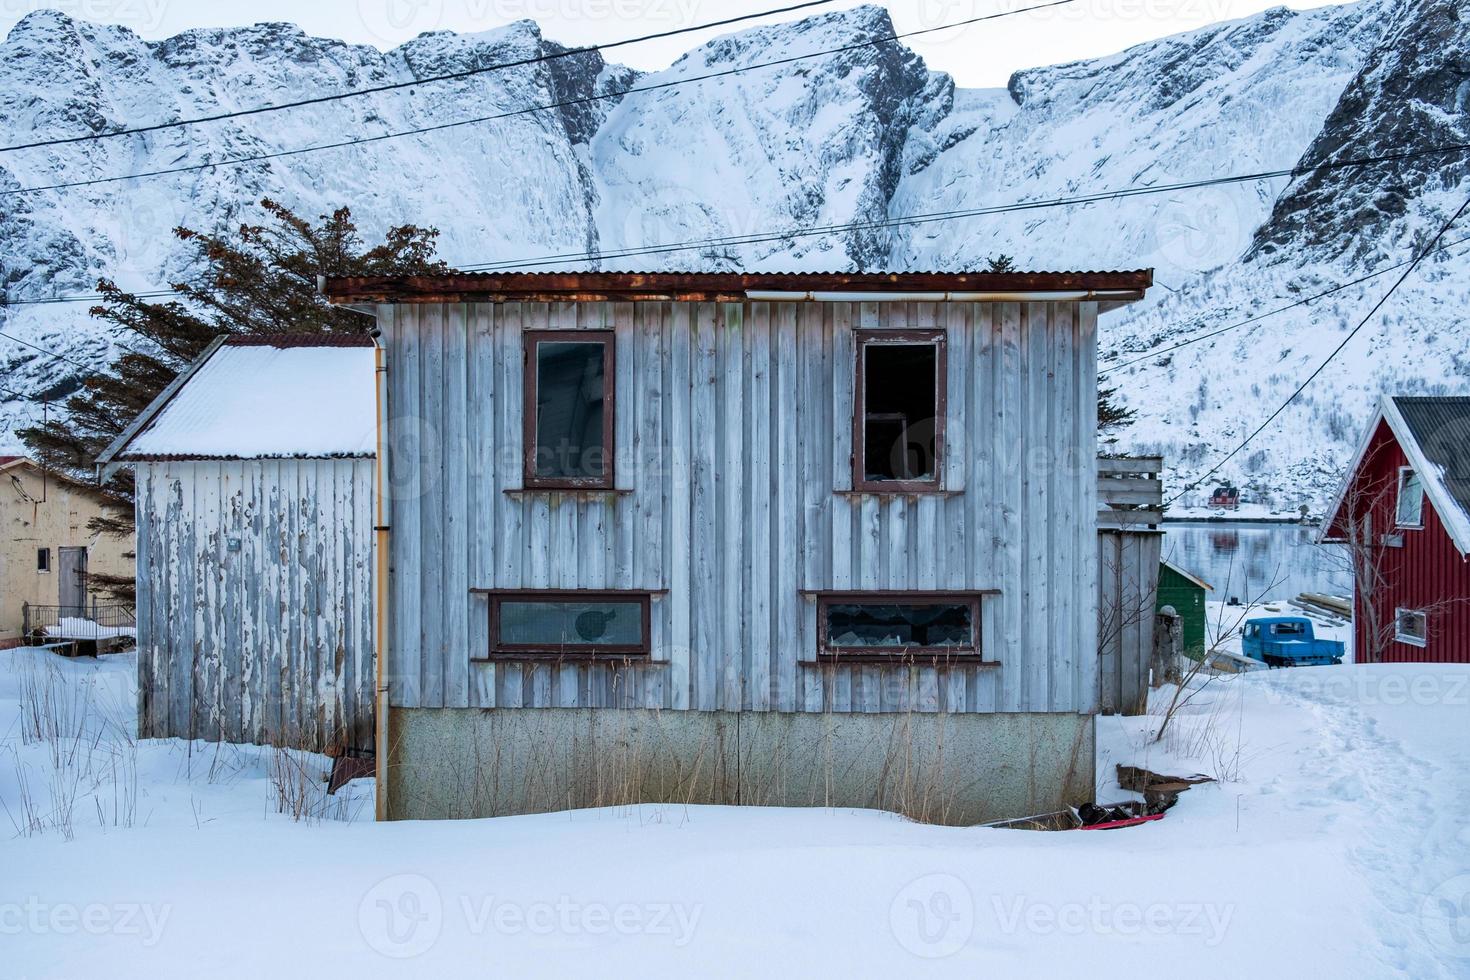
719, 286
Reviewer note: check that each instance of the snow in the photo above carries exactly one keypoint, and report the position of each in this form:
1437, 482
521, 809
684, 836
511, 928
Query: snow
1332, 845
258, 401
78, 628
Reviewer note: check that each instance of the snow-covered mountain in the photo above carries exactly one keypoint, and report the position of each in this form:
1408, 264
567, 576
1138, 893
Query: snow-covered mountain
862, 135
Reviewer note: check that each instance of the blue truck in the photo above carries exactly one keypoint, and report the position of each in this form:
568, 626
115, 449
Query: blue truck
1288, 641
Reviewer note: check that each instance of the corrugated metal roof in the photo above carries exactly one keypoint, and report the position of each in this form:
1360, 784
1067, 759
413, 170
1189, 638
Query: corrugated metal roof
713, 286
284, 340
264, 399
1441, 427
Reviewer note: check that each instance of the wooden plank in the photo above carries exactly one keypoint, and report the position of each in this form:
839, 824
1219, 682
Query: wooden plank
1042, 464
788, 493
1013, 652
433, 510
762, 552
730, 619
459, 510
704, 510
680, 476
405, 540
1125, 464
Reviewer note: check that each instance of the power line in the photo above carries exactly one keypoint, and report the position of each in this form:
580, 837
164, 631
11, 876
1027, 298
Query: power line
48, 353
83, 298
1336, 350
394, 86
1270, 313
917, 219
756, 238
566, 103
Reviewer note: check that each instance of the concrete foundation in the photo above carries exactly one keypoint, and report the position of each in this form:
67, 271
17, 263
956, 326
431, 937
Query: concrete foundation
940, 768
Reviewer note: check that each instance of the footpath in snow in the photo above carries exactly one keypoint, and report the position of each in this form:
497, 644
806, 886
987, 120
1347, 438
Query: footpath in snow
1334, 844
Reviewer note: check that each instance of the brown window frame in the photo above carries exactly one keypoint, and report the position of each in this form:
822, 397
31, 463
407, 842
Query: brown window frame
581, 651
530, 339
973, 655
866, 339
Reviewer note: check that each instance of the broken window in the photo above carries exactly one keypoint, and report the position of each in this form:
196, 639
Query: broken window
1411, 626
569, 623
1411, 499
569, 408
898, 436
1289, 629
899, 623
43, 559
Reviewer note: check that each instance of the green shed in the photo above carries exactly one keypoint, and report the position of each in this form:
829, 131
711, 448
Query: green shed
1186, 593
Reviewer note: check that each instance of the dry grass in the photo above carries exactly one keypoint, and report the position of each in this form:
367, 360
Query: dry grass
89, 751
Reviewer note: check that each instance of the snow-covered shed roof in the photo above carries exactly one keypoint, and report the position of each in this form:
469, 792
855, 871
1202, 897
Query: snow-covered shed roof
1186, 573
262, 397
1434, 433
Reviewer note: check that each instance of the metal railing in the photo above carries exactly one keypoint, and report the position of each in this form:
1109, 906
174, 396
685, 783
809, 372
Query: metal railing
58, 624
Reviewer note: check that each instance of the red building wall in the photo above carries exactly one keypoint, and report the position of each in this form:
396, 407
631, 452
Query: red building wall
1428, 572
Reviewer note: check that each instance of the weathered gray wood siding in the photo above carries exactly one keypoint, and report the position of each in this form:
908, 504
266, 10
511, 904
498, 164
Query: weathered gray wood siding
271, 643
733, 433
1128, 581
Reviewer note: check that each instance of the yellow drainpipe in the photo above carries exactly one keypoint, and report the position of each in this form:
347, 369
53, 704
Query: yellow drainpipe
380, 580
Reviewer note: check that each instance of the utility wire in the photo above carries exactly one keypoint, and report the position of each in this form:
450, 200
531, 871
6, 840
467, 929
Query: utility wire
921, 218
394, 86
48, 353
756, 238
565, 103
83, 298
1150, 355
1412, 265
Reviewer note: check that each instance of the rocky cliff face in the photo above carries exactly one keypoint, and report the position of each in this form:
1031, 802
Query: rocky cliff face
868, 134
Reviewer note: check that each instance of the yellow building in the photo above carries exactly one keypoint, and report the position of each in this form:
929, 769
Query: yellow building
47, 550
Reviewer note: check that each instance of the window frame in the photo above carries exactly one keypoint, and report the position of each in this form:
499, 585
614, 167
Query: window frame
1400, 637
939, 338
581, 651
1398, 501
43, 561
530, 391
973, 655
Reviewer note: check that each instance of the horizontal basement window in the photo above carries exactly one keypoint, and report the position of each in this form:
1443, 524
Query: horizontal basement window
886, 626
567, 624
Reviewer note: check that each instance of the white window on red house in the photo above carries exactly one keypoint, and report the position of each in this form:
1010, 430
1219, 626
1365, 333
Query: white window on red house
1411, 499
1411, 626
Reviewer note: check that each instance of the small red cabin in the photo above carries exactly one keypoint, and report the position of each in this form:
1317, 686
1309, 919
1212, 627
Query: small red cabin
1225, 496
1404, 515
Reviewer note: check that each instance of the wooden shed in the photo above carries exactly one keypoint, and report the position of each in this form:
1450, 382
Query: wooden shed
1184, 592
789, 539
254, 507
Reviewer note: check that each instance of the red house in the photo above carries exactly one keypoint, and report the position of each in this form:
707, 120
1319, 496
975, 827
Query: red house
1404, 515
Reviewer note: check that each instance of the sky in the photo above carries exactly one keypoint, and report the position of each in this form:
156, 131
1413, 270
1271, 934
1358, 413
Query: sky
979, 55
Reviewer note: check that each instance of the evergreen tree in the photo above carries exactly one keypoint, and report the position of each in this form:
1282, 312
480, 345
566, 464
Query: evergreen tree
256, 279
1001, 263
1111, 414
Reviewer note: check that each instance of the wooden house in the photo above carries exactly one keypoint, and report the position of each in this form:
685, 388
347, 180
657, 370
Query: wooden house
1403, 514
767, 539
49, 551
254, 506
